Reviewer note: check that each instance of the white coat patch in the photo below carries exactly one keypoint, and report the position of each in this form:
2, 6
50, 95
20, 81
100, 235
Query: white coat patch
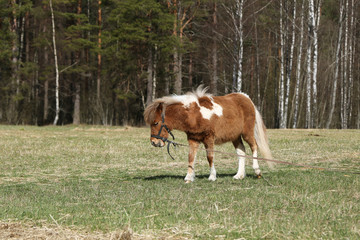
186, 100
207, 113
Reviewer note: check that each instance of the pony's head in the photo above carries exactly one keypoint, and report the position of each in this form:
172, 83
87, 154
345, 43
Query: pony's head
154, 115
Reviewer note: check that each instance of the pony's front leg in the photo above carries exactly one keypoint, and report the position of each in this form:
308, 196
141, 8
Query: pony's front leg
190, 176
209, 145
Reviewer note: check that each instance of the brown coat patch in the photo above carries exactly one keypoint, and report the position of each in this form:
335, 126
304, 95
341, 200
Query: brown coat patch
205, 102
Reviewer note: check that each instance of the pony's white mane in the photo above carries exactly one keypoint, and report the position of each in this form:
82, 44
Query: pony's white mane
187, 98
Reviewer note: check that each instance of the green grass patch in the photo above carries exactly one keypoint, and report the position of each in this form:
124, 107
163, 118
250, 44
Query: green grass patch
108, 178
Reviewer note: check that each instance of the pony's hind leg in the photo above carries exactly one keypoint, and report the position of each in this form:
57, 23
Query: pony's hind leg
209, 145
252, 143
256, 166
240, 150
190, 176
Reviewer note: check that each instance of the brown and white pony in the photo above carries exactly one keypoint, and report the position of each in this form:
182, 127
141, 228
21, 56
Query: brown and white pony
209, 120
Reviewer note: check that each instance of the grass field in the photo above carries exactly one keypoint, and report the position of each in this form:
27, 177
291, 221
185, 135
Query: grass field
93, 181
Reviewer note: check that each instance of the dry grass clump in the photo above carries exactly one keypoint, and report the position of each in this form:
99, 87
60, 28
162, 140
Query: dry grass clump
26, 231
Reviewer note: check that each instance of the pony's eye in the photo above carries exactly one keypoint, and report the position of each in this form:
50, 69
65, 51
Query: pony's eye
156, 123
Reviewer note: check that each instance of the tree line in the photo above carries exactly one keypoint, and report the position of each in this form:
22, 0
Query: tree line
103, 61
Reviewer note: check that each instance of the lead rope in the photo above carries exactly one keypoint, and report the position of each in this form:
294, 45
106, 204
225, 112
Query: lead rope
262, 159
175, 144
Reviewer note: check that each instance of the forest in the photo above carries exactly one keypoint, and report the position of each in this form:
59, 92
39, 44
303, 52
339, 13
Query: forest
101, 62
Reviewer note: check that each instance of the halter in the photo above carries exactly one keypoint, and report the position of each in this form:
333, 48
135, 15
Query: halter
163, 125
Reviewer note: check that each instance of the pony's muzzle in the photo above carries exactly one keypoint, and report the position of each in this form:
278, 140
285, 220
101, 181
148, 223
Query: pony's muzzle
157, 142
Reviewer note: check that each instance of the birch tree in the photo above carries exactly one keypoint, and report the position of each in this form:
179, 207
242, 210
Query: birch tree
282, 117
151, 77
351, 57
346, 59
311, 25
184, 12
337, 60
236, 15
240, 42
298, 66
343, 73
214, 55
315, 24
57, 107
289, 66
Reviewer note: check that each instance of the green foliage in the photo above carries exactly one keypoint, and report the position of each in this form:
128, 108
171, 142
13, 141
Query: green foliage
134, 33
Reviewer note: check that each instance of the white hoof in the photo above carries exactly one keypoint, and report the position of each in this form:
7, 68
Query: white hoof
239, 176
212, 177
257, 171
189, 177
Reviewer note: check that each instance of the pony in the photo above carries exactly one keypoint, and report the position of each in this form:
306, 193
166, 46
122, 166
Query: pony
210, 120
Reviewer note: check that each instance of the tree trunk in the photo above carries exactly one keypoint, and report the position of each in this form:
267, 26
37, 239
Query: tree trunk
177, 67
289, 66
214, 57
257, 68
178, 71
311, 26
298, 67
315, 23
12, 109
345, 83
183, 17
46, 80
57, 107
282, 117
351, 61
98, 82
76, 117
240, 37
150, 73
336, 74
190, 70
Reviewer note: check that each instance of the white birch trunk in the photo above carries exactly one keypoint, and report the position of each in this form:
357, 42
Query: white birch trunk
57, 108
150, 73
344, 59
154, 75
351, 59
288, 76
282, 117
308, 62
257, 69
239, 8
214, 57
298, 66
316, 23
236, 14
336, 74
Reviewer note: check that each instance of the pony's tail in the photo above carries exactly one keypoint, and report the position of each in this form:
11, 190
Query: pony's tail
261, 138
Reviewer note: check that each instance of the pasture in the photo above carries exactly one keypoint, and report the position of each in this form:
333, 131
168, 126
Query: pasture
96, 182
